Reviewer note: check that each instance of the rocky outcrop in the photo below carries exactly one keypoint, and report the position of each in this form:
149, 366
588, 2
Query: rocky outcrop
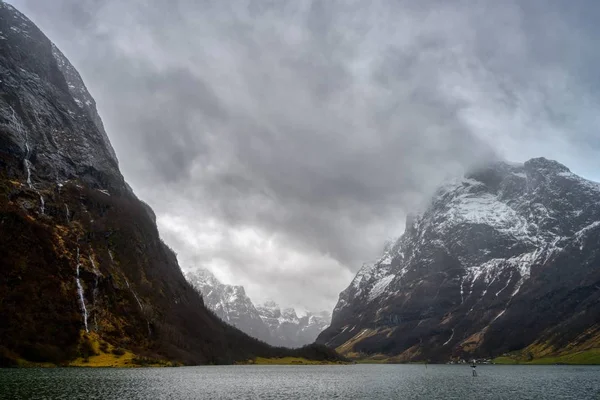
502, 260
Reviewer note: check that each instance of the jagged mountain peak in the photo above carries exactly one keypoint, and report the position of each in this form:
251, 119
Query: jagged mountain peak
270, 304
267, 321
485, 234
546, 165
229, 302
289, 312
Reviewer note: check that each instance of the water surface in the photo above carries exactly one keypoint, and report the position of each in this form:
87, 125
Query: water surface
304, 382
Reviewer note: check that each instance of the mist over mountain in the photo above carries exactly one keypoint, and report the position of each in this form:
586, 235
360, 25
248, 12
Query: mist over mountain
267, 321
277, 140
280, 144
504, 260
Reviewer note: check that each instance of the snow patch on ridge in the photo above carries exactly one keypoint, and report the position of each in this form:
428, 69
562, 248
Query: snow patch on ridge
379, 288
484, 209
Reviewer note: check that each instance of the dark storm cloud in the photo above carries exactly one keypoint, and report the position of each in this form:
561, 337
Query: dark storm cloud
281, 142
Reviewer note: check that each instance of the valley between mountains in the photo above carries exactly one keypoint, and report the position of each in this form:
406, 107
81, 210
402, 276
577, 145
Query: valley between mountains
267, 322
503, 263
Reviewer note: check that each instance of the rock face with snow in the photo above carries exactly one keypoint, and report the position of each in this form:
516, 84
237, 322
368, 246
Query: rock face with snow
506, 259
290, 330
267, 322
230, 303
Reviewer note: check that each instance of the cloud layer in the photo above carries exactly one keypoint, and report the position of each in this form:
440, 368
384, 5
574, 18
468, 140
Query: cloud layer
282, 142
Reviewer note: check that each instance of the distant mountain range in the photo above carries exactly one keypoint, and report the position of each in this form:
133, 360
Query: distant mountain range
267, 322
503, 261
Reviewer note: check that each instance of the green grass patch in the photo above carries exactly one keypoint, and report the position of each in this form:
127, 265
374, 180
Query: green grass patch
505, 360
289, 361
374, 361
587, 357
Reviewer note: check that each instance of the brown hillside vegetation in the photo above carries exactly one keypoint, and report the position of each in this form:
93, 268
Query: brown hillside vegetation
135, 294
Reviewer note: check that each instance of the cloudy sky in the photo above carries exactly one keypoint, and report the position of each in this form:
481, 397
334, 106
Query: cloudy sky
281, 143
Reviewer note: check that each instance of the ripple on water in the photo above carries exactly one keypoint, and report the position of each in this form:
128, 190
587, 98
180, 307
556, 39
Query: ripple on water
304, 382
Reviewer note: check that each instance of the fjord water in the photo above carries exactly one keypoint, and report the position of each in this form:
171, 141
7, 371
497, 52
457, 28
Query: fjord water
305, 382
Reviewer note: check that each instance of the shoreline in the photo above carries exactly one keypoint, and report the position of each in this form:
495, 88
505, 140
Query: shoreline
274, 362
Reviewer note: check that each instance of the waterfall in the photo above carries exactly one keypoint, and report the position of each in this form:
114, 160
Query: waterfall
27, 165
134, 295
451, 336
67, 213
16, 125
26, 162
95, 291
139, 304
97, 274
80, 294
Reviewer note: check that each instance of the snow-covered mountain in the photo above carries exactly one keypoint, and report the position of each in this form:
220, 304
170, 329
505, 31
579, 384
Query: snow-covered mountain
267, 322
290, 330
502, 259
230, 303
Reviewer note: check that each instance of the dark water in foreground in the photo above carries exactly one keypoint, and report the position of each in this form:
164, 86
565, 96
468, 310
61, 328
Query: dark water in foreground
305, 382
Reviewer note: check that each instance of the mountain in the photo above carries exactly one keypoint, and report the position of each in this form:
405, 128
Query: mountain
230, 303
267, 322
505, 260
290, 330
84, 274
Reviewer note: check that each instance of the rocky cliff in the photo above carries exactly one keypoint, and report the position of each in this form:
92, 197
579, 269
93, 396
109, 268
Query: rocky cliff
84, 273
505, 260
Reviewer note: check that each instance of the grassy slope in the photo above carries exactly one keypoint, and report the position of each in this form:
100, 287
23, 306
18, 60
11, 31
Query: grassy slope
102, 354
586, 357
580, 348
585, 350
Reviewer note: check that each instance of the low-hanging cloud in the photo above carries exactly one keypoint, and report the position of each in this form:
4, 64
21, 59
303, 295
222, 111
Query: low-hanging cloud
281, 142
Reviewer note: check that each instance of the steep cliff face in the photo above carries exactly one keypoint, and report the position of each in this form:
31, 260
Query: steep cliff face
83, 269
267, 322
50, 121
505, 259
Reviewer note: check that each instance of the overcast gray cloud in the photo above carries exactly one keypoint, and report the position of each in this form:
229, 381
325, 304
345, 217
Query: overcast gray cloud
282, 142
